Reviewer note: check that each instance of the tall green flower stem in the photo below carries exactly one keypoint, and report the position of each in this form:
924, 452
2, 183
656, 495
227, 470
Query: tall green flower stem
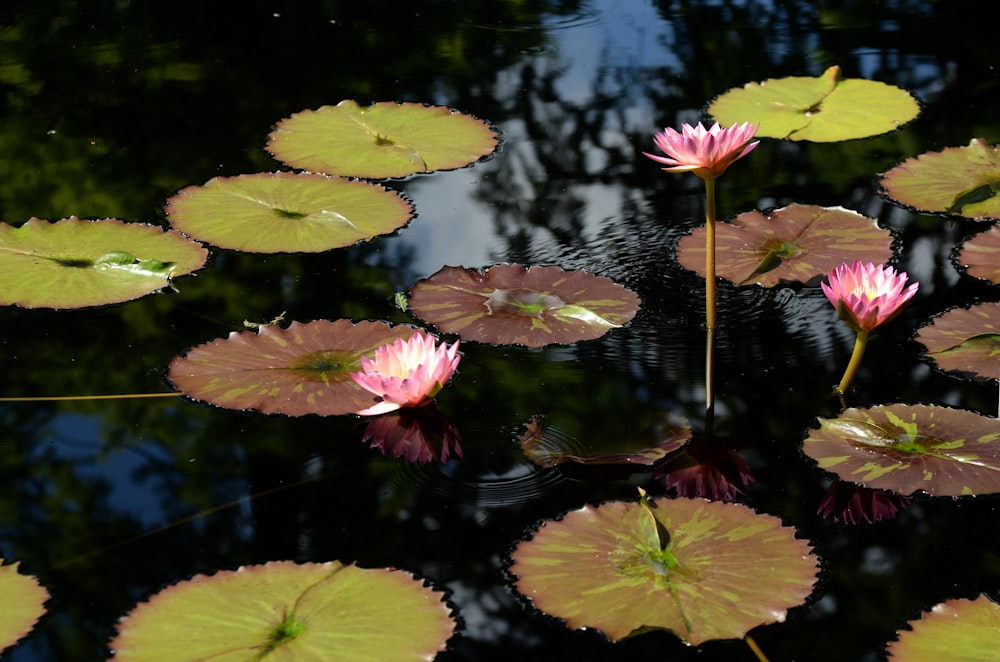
710, 323
852, 367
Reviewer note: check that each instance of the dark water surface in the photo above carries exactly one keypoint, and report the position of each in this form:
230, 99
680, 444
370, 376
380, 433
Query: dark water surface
107, 108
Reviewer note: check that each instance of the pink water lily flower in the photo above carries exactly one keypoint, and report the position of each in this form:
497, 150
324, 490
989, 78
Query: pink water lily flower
705, 152
407, 373
867, 295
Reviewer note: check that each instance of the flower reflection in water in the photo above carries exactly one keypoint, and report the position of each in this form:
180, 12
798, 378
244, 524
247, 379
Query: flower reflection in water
853, 503
708, 468
418, 434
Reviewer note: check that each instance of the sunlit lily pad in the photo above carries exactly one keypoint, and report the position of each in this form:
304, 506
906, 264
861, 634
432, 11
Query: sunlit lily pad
980, 255
827, 108
385, 139
956, 631
304, 369
286, 212
961, 181
547, 445
286, 611
22, 605
797, 243
905, 448
74, 263
508, 304
703, 570
965, 341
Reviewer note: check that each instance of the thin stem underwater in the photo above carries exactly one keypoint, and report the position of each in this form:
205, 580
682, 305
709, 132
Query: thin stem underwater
710, 306
855, 363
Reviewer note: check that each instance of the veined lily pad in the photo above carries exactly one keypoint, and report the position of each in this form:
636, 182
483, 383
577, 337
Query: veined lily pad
304, 369
956, 630
827, 108
905, 448
286, 212
961, 181
22, 605
286, 611
73, 263
980, 255
965, 340
508, 304
703, 570
797, 243
385, 139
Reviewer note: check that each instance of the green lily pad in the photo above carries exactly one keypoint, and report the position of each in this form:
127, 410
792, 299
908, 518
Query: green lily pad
285, 611
548, 445
304, 369
703, 570
286, 212
828, 108
385, 139
960, 181
965, 341
980, 255
955, 630
508, 304
22, 605
905, 448
74, 263
797, 243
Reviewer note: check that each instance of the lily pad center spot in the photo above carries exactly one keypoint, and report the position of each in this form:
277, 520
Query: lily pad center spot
316, 366
521, 303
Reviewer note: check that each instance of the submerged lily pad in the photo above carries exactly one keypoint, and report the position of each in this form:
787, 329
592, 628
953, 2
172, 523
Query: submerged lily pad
703, 570
828, 108
286, 611
508, 304
956, 630
385, 139
74, 263
905, 448
965, 340
22, 605
286, 212
980, 255
304, 369
797, 243
961, 181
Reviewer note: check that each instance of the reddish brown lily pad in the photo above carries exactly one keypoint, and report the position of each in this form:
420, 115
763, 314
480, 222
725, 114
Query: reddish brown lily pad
509, 304
956, 631
980, 255
797, 243
965, 341
906, 448
960, 181
304, 369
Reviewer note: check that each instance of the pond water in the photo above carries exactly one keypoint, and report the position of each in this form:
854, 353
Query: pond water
108, 108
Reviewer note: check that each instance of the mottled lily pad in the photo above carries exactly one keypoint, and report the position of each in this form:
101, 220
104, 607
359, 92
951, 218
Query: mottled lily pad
980, 255
797, 243
286, 212
547, 445
509, 304
905, 448
828, 108
965, 341
385, 139
304, 369
960, 181
22, 605
956, 630
74, 263
286, 611
703, 570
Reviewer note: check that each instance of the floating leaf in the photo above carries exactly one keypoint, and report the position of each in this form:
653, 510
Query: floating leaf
385, 139
22, 605
827, 108
961, 181
956, 630
965, 340
797, 243
509, 304
548, 445
73, 263
286, 212
905, 448
286, 611
304, 369
980, 255
703, 570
